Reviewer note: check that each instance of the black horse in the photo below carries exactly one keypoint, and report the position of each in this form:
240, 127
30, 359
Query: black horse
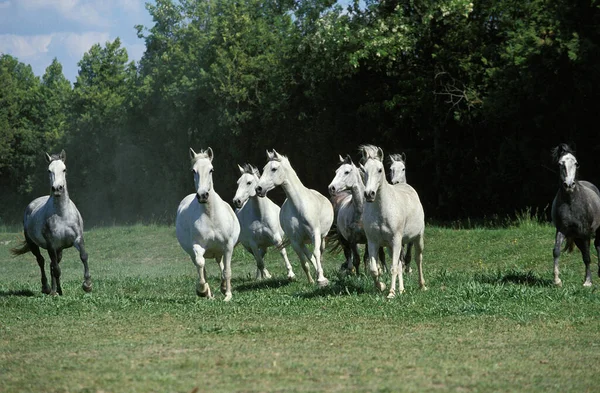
575, 212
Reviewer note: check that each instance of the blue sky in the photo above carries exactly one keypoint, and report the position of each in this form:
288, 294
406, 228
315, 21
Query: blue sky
37, 31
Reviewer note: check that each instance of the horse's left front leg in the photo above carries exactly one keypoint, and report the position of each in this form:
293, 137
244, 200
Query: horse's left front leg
319, 247
396, 269
584, 247
83, 255
226, 275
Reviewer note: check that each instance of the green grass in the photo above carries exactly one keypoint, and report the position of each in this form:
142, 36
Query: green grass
490, 321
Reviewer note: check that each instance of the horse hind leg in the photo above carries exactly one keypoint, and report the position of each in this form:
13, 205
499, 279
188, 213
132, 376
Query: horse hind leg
290, 272
584, 247
299, 249
83, 255
597, 246
260, 265
419, 245
319, 242
41, 263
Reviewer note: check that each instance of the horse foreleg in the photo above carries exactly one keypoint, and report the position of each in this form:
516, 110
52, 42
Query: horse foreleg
319, 242
584, 247
406, 257
227, 272
299, 249
382, 260
202, 288
374, 269
556, 253
355, 257
396, 270
259, 254
83, 255
290, 272
41, 263
55, 272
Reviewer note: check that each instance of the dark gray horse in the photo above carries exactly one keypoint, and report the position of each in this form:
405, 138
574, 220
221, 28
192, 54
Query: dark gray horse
575, 212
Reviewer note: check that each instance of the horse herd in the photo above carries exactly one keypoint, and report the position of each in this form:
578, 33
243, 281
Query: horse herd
366, 207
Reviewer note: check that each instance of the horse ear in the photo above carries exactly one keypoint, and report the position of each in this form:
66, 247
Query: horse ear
380, 153
192, 153
210, 154
341, 159
48, 158
276, 155
63, 156
241, 169
269, 154
403, 157
348, 159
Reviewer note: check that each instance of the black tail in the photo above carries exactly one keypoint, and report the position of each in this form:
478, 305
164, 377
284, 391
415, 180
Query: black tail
20, 250
569, 245
335, 241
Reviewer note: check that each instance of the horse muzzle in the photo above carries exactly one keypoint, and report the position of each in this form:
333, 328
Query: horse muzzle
237, 203
569, 187
370, 196
202, 198
58, 190
261, 192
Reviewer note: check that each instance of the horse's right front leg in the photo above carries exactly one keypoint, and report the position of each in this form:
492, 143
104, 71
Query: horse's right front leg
290, 272
259, 254
556, 253
373, 250
303, 260
41, 263
584, 247
202, 288
55, 271
396, 270
83, 255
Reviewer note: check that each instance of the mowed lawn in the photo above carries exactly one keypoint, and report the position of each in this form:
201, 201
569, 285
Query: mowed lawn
490, 321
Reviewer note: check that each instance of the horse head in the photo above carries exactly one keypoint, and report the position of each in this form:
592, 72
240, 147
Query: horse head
274, 173
57, 171
346, 176
373, 170
203, 170
567, 164
246, 185
398, 168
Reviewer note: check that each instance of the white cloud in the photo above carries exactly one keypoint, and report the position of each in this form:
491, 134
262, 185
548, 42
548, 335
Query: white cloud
77, 44
24, 47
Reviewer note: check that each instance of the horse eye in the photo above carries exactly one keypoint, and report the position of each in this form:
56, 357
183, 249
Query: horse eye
379, 170
347, 173
273, 169
249, 183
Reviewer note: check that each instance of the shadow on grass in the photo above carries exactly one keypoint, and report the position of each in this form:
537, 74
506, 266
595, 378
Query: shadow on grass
341, 286
262, 284
515, 277
20, 292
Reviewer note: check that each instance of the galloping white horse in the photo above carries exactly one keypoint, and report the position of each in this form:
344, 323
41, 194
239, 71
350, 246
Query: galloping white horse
259, 222
306, 216
393, 215
350, 209
206, 226
54, 223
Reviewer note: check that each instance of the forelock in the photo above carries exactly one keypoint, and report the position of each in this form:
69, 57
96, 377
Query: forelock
369, 151
395, 158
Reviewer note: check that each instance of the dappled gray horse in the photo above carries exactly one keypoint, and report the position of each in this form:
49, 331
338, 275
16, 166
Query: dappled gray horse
575, 212
54, 223
259, 222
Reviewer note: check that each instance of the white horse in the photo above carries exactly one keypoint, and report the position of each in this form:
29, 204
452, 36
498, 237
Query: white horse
206, 226
259, 222
393, 215
350, 208
54, 223
306, 216
398, 168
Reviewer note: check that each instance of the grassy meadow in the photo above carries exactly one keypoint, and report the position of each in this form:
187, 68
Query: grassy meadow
490, 321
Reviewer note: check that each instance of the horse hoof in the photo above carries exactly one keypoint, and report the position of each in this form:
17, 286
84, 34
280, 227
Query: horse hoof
291, 277
323, 283
87, 287
424, 288
227, 297
203, 291
587, 284
380, 286
391, 295
46, 290
558, 283
53, 293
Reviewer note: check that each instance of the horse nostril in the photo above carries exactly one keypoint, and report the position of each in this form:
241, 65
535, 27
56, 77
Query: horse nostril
331, 189
259, 189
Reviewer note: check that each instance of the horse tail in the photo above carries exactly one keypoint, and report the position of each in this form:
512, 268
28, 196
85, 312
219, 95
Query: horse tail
570, 245
284, 243
23, 248
334, 242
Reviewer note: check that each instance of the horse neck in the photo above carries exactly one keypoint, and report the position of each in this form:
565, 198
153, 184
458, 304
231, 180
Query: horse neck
293, 187
258, 204
358, 194
384, 191
210, 207
62, 203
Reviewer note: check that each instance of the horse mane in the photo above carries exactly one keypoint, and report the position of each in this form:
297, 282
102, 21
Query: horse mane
369, 151
55, 157
561, 150
397, 157
247, 168
198, 156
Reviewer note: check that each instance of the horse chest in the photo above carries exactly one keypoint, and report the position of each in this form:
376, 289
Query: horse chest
57, 233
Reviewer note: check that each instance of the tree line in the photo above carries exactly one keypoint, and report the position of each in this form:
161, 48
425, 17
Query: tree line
476, 93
